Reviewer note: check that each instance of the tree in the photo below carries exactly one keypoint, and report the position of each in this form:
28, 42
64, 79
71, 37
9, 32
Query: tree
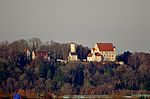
82, 52
40, 85
34, 43
4, 51
134, 61
58, 80
124, 57
67, 89
43, 70
79, 76
147, 85
49, 74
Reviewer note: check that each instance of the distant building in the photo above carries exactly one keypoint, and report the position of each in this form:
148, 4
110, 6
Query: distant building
62, 61
102, 52
120, 62
40, 54
72, 54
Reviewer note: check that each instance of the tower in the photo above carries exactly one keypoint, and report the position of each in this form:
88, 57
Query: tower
72, 48
72, 54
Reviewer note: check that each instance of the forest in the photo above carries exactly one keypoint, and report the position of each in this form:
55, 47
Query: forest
71, 78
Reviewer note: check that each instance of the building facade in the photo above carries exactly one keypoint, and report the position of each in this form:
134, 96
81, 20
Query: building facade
102, 52
40, 54
72, 54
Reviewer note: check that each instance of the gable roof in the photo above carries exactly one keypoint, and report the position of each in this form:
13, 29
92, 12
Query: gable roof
105, 46
41, 53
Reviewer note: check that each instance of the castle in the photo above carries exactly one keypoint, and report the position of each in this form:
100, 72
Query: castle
102, 52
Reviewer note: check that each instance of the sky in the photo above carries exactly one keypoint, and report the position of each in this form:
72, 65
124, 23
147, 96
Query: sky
125, 23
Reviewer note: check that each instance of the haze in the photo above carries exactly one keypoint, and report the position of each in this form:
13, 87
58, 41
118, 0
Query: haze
125, 23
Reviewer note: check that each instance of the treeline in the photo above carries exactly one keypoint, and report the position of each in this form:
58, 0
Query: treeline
13, 50
17, 72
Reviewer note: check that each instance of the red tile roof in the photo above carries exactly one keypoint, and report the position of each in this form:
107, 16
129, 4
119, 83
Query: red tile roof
105, 46
41, 53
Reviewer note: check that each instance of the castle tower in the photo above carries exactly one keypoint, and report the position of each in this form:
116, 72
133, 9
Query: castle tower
72, 48
72, 54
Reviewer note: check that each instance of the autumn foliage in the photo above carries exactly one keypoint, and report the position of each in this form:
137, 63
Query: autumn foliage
34, 78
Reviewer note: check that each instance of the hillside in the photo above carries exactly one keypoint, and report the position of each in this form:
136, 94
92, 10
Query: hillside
73, 78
